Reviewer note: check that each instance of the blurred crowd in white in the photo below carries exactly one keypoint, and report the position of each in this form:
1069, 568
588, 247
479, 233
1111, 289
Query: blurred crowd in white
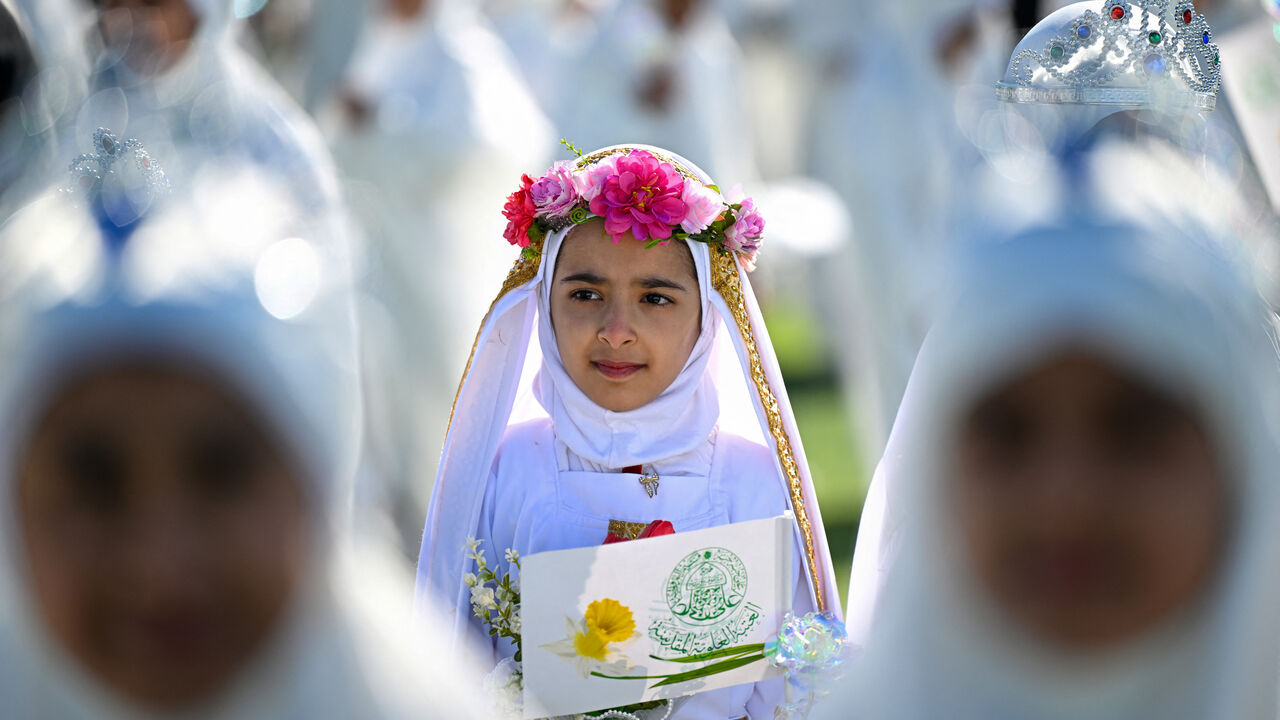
369, 145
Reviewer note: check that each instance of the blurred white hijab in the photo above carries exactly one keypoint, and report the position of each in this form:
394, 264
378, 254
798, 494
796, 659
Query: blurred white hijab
1146, 278
229, 276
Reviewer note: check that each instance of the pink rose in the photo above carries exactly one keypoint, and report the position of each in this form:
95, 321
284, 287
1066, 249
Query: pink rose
702, 206
519, 212
642, 197
746, 234
590, 182
553, 193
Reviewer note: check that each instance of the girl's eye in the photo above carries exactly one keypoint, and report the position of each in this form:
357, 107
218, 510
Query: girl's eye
584, 294
656, 299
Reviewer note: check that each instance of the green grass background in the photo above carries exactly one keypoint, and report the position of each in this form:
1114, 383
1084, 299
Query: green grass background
829, 435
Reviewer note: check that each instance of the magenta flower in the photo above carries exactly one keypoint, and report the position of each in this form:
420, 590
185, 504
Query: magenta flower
746, 234
702, 206
554, 193
589, 183
642, 197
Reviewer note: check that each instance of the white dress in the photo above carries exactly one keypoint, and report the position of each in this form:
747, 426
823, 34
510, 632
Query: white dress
535, 503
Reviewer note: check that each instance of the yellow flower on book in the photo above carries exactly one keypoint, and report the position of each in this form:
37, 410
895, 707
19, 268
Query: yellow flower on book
611, 619
590, 644
596, 641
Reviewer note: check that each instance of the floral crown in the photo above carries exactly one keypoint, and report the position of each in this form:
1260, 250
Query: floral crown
637, 192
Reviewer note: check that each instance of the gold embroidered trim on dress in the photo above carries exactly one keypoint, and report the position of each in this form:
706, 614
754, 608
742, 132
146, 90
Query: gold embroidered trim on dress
628, 530
727, 282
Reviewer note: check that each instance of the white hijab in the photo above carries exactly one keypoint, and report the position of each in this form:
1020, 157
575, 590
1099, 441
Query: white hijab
1146, 280
229, 277
674, 423
733, 354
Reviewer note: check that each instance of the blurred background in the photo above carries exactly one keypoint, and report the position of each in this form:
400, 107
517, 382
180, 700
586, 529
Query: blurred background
404, 124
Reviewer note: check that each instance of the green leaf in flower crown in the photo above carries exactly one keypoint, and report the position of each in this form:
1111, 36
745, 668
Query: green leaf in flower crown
536, 232
571, 147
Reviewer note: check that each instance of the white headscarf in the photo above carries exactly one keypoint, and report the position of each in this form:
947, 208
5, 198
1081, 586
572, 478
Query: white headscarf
672, 424
226, 277
749, 399
1145, 279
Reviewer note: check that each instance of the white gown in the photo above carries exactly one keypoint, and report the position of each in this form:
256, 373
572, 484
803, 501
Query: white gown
534, 503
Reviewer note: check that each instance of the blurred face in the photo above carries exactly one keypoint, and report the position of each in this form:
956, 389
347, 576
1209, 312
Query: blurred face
626, 317
164, 531
407, 9
152, 34
1090, 503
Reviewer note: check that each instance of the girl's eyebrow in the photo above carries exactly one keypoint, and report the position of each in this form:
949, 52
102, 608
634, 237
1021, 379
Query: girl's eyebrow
589, 278
654, 282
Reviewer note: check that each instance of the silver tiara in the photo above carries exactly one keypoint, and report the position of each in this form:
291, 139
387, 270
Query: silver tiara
90, 170
1139, 53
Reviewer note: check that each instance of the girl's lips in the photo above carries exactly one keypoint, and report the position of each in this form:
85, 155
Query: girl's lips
616, 370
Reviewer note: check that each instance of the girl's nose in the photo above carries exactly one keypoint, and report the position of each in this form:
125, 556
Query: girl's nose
616, 330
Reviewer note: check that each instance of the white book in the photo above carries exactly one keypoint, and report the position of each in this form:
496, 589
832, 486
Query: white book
689, 594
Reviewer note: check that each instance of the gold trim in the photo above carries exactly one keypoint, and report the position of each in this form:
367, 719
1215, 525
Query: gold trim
524, 270
628, 530
726, 281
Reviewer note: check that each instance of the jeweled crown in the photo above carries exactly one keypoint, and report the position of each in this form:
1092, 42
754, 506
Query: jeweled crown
1117, 52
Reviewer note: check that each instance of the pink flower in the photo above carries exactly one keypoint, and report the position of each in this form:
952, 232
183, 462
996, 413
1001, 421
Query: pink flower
590, 182
642, 197
519, 212
746, 234
553, 193
702, 204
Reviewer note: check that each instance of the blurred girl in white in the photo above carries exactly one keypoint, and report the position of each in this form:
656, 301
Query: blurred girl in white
181, 411
1076, 507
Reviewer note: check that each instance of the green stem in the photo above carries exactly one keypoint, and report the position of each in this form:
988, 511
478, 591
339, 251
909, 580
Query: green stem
714, 654
673, 678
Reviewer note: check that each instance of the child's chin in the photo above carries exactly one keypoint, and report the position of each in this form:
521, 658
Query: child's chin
614, 401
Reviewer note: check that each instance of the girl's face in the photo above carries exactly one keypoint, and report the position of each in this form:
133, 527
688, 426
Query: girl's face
164, 531
626, 317
1090, 503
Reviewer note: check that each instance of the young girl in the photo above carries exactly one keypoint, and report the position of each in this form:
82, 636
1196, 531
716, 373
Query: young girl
180, 406
623, 376
1075, 516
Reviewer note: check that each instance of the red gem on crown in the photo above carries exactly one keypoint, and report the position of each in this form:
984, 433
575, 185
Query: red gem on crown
1117, 12
1187, 16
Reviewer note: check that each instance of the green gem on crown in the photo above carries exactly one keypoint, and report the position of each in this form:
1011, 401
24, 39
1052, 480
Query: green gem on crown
1155, 38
